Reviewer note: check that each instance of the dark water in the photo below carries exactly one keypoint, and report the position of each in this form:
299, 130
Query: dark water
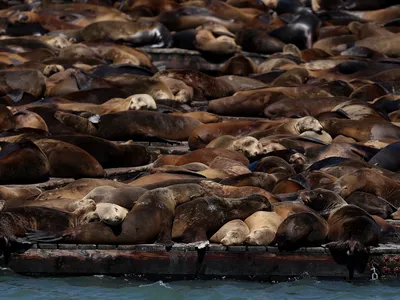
104, 287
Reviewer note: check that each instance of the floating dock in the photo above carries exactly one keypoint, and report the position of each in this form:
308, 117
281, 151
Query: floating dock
188, 261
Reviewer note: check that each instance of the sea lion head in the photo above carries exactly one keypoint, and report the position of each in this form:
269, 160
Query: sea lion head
260, 237
52, 69
110, 213
308, 124
298, 159
142, 101
248, 145
233, 237
322, 200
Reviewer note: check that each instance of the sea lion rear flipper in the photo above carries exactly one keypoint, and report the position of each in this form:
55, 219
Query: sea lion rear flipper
40, 236
19, 245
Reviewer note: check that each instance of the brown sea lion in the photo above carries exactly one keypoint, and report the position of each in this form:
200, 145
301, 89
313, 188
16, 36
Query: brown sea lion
263, 226
29, 119
285, 209
140, 124
67, 160
23, 162
362, 130
134, 102
304, 229
204, 134
123, 196
255, 179
369, 181
78, 189
247, 145
232, 233
207, 155
29, 81
204, 86
156, 206
198, 219
226, 191
135, 33
206, 42
202, 116
238, 65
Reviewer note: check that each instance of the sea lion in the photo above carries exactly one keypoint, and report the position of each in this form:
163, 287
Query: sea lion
351, 230
207, 155
263, 226
67, 160
202, 116
362, 130
238, 65
135, 33
369, 181
204, 86
255, 179
29, 81
259, 41
232, 233
125, 196
107, 153
205, 41
29, 119
15, 222
387, 158
111, 213
273, 164
23, 162
226, 191
150, 220
134, 102
247, 145
372, 204
78, 189
304, 229
285, 209
196, 220
140, 124
204, 134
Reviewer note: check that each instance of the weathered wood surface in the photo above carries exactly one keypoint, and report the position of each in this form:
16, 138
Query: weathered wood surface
188, 261
175, 58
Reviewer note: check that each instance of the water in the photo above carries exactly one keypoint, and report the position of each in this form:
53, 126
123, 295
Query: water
13, 286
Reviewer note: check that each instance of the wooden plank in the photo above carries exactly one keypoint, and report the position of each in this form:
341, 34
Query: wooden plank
190, 261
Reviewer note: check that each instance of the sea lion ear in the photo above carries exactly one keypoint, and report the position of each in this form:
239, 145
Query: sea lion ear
2, 204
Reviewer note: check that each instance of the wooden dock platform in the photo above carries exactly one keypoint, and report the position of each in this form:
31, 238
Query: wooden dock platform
188, 261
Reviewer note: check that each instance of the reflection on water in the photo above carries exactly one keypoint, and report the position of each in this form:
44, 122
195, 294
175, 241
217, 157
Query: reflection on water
99, 287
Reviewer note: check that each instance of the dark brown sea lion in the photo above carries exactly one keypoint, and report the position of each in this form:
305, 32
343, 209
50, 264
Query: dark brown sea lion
387, 158
352, 230
23, 163
304, 229
238, 65
135, 33
199, 219
30, 81
371, 204
350, 5
140, 124
109, 154
67, 160
258, 41
15, 222
149, 221
369, 181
